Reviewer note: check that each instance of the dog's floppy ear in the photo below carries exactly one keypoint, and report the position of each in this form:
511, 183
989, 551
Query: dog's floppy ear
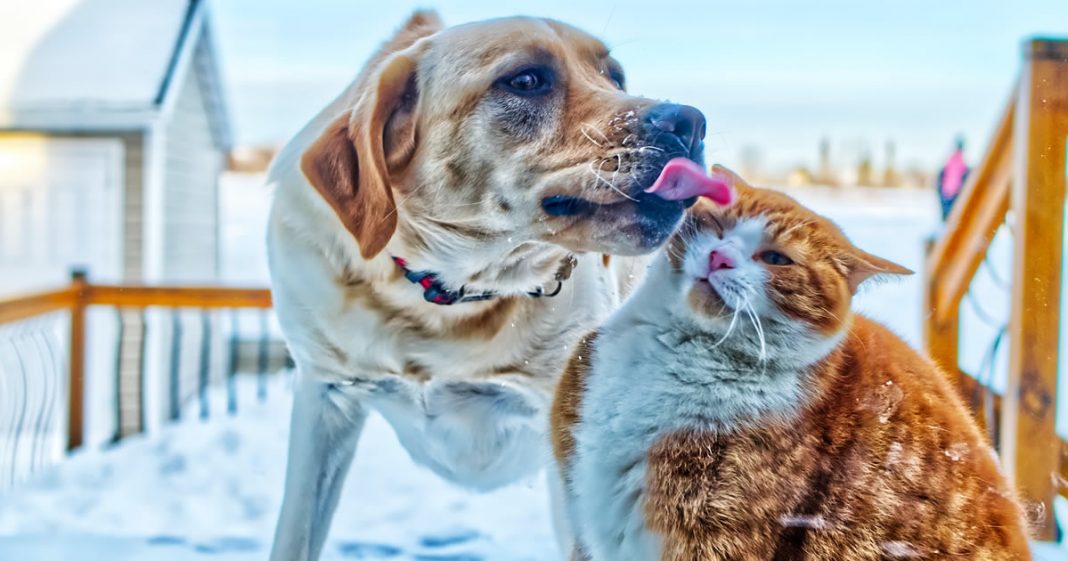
351, 162
420, 24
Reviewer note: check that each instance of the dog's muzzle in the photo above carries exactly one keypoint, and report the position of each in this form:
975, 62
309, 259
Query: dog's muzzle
671, 131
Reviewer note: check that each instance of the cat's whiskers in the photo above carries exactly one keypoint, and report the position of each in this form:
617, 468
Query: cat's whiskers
759, 327
678, 253
675, 254
730, 329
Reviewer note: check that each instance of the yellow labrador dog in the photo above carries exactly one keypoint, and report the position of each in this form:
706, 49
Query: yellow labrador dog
440, 238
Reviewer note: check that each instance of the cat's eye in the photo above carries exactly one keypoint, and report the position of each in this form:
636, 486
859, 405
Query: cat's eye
772, 257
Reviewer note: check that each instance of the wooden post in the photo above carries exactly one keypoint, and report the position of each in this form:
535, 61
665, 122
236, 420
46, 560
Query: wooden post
942, 337
953, 258
1029, 442
76, 377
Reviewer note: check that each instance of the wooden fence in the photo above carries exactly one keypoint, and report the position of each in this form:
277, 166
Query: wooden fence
1022, 175
74, 300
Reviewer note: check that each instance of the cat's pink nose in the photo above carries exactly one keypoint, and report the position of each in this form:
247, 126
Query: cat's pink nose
719, 260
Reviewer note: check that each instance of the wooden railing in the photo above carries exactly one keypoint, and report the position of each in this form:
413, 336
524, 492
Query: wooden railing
80, 295
1023, 171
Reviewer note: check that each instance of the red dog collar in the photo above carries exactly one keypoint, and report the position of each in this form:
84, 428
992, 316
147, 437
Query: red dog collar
434, 290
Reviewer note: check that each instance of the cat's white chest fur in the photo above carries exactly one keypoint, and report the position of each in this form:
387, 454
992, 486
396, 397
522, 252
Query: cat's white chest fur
650, 379
608, 473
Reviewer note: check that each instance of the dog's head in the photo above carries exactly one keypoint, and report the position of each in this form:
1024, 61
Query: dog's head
501, 133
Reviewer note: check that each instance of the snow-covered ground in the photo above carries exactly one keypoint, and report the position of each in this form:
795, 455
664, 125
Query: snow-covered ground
211, 490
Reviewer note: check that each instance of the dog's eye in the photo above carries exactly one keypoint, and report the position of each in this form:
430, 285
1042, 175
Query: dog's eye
775, 258
617, 78
528, 82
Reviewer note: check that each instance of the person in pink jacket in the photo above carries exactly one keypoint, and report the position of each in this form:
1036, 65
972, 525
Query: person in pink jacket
952, 177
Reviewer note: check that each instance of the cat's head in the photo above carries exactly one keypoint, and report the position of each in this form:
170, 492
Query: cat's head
768, 256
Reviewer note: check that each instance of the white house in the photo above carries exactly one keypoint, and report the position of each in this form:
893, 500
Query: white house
113, 133
113, 136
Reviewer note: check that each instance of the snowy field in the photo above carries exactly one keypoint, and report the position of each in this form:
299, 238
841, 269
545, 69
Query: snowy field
211, 490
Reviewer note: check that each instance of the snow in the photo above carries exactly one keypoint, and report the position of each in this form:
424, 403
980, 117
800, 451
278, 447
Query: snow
211, 490
244, 204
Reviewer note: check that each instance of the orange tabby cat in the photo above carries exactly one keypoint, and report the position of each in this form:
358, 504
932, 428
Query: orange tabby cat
735, 409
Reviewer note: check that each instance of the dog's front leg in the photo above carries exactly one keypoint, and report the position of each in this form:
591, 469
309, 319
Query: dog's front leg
559, 506
324, 429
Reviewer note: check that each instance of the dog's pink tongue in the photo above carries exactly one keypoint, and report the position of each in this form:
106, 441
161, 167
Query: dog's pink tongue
682, 179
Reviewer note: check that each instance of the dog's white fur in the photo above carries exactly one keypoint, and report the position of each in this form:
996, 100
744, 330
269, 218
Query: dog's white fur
475, 412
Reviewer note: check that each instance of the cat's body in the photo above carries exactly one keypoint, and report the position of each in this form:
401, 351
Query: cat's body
679, 439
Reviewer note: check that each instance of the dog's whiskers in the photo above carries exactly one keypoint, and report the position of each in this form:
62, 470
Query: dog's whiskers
615, 173
596, 173
398, 204
585, 129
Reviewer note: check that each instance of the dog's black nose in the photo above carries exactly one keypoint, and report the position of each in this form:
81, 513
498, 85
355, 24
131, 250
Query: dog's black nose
685, 122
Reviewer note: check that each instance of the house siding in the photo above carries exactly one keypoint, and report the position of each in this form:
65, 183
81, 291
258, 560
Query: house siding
133, 230
131, 339
192, 162
191, 167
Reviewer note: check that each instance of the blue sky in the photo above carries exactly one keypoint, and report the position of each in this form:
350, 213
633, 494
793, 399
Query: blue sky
776, 75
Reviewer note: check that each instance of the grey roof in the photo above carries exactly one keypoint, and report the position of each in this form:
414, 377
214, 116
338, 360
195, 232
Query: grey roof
102, 64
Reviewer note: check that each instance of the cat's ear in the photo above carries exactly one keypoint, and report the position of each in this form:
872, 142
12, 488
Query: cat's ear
736, 180
863, 266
